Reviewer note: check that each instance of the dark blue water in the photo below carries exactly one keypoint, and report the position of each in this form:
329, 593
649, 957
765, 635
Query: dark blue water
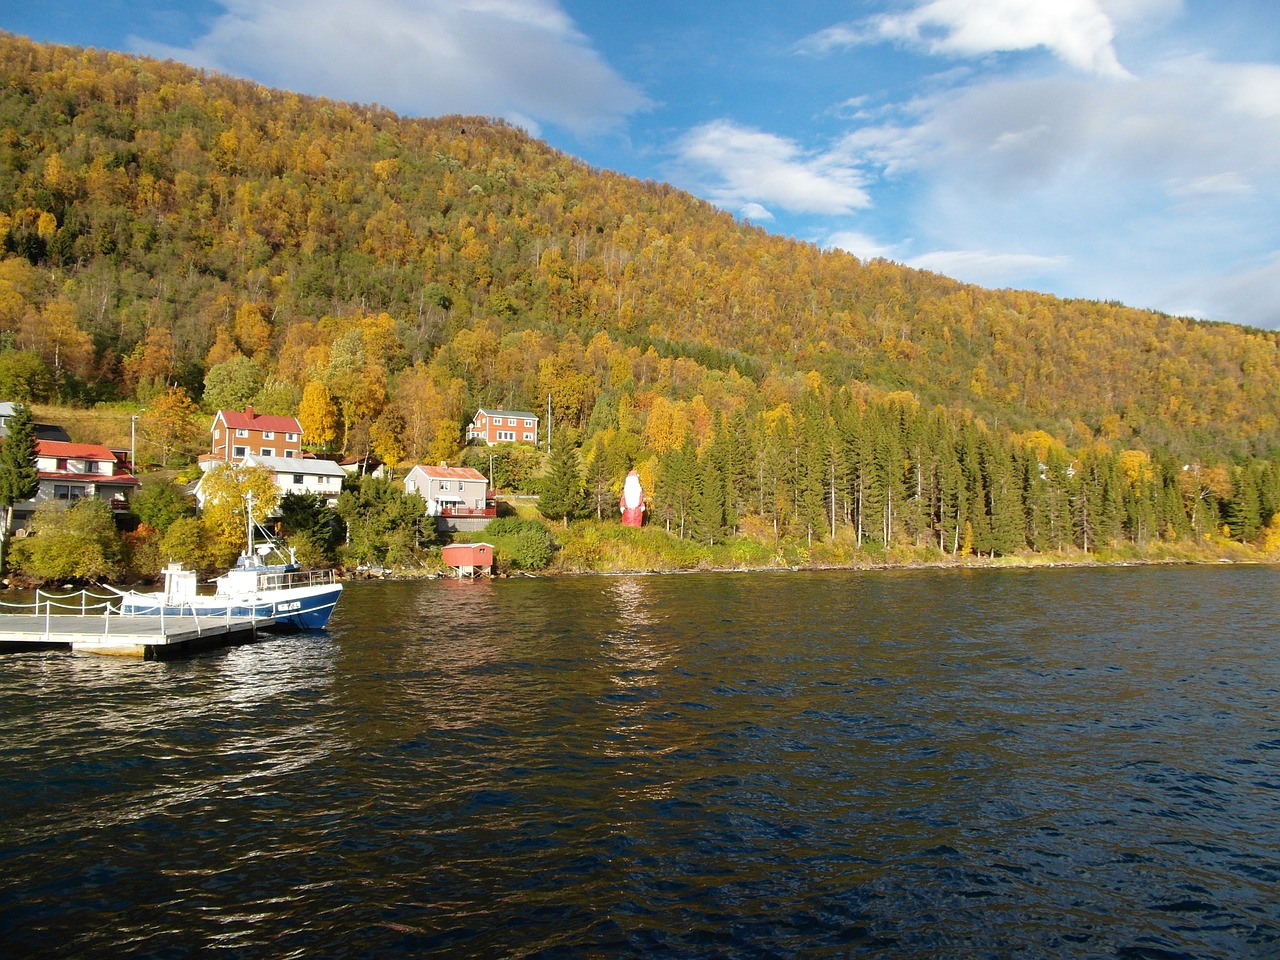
1062, 763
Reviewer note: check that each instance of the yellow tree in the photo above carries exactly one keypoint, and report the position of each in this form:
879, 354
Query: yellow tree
17, 288
385, 437
430, 408
666, 427
171, 421
357, 380
223, 349
226, 493
318, 415
149, 364
253, 333
54, 334
303, 353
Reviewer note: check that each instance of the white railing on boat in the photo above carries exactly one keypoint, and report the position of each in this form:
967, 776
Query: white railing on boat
286, 579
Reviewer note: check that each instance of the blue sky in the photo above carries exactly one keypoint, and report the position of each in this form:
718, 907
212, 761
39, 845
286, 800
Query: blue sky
1110, 149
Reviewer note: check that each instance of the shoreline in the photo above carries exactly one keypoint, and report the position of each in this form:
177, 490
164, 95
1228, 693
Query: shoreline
999, 563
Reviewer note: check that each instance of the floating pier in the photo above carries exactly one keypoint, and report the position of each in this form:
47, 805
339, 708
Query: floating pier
85, 623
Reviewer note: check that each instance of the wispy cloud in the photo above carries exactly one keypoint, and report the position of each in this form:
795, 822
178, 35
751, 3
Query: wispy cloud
1078, 32
989, 269
739, 169
523, 60
1158, 190
861, 245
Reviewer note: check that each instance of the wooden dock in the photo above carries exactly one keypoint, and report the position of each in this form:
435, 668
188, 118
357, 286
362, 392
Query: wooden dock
116, 634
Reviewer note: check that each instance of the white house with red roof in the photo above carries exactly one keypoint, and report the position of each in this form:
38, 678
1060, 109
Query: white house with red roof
73, 471
458, 497
235, 435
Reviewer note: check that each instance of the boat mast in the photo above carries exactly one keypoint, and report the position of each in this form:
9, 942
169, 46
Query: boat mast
249, 548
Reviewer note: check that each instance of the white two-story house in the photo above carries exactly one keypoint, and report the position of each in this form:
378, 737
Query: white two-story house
73, 471
291, 475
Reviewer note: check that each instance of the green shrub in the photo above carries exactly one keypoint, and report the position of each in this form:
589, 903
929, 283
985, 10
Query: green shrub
75, 541
520, 544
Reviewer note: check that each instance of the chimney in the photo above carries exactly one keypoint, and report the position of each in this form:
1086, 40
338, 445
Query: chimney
248, 411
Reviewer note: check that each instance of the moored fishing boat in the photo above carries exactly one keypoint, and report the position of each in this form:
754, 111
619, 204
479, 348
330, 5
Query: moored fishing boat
291, 596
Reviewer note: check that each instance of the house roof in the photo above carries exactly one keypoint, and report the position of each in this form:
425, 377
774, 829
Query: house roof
78, 451
314, 468
507, 413
451, 473
248, 420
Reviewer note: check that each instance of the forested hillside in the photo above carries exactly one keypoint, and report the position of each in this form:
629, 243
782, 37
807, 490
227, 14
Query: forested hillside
383, 277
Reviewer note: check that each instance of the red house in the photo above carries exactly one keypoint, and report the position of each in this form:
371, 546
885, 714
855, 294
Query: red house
236, 435
503, 426
469, 558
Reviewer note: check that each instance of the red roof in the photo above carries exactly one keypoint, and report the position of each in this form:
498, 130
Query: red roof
74, 451
248, 420
452, 473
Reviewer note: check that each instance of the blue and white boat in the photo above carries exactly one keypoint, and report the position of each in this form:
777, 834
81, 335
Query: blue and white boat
284, 592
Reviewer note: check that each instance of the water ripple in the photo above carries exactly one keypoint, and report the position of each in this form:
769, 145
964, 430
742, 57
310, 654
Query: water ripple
914, 764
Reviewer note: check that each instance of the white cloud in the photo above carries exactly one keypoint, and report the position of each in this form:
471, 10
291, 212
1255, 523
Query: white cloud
739, 166
1249, 295
990, 269
860, 245
1078, 32
523, 60
756, 213
1150, 191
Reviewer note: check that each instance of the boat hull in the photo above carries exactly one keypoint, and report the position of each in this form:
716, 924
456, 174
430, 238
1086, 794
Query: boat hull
300, 608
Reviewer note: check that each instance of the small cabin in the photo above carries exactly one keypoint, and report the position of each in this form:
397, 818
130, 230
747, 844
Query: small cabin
469, 559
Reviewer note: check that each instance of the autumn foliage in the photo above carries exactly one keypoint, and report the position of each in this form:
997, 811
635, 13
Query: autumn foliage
171, 236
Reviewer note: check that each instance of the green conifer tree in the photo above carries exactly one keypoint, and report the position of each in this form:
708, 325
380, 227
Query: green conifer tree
19, 478
563, 497
1243, 511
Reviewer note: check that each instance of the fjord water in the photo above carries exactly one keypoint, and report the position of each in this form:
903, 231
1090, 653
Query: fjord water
1051, 763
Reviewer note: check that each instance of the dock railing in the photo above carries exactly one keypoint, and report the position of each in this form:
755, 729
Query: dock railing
86, 604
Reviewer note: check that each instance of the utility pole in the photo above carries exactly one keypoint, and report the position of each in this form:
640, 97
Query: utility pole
133, 443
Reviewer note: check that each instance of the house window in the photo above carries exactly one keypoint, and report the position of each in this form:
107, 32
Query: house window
68, 491
291, 437
506, 434
267, 451
444, 484
297, 479
288, 454
239, 451
268, 434
528, 436
242, 433
528, 423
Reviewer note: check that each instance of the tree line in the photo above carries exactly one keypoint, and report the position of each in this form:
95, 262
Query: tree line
893, 474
